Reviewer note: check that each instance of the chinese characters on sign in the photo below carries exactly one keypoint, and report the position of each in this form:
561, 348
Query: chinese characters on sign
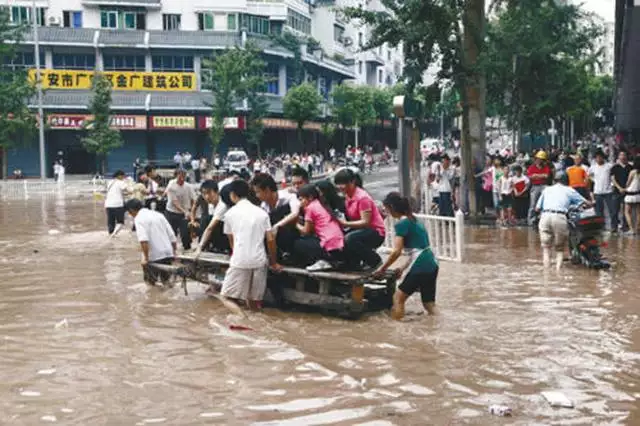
281, 123
230, 123
169, 122
77, 122
120, 80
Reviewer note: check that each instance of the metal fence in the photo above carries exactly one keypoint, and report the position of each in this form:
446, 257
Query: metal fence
26, 189
446, 234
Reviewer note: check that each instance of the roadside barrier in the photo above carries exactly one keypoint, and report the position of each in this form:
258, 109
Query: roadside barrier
446, 234
25, 189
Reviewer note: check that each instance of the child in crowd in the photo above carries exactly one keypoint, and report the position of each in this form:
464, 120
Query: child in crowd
505, 185
520, 187
421, 271
319, 220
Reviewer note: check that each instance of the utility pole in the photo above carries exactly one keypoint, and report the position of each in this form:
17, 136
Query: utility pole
36, 41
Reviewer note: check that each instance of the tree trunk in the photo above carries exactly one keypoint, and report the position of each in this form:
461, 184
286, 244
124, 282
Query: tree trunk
5, 163
474, 107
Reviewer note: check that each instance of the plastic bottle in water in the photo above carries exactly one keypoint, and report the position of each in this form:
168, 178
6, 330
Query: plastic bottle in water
500, 410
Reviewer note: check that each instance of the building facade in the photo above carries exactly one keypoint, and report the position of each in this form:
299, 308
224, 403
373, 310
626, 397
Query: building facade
153, 52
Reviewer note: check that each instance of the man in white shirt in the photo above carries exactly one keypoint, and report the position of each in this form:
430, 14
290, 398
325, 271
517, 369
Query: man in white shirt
444, 177
283, 208
180, 198
114, 203
247, 227
195, 166
157, 240
600, 174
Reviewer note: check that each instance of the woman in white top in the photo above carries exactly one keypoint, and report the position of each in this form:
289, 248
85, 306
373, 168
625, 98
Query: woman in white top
632, 198
114, 202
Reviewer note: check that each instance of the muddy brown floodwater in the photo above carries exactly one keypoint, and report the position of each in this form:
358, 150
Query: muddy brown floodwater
84, 342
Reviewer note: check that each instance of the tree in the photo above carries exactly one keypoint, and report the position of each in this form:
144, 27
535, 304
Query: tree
539, 62
450, 34
236, 76
101, 138
382, 103
353, 106
224, 73
17, 123
302, 104
252, 88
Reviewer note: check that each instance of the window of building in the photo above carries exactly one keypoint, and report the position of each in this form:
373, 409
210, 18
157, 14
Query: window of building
359, 67
322, 88
380, 76
109, 19
232, 23
298, 22
123, 19
338, 33
74, 62
254, 24
290, 78
360, 39
22, 60
72, 19
272, 76
123, 62
388, 54
206, 21
276, 27
171, 22
172, 63
21, 15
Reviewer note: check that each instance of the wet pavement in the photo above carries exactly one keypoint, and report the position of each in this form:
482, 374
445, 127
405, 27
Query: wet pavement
84, 341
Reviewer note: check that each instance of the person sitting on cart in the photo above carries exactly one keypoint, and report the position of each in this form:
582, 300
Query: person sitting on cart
420, 272
283, 209
364, 221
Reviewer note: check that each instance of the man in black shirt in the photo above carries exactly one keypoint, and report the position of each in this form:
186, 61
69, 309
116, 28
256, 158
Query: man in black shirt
619, 176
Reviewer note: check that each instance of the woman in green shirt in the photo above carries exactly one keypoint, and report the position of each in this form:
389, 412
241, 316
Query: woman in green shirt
421, 270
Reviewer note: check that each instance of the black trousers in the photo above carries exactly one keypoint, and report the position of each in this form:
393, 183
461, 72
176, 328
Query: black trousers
197, 175
307, 251
152, 276
114, 215
180, 226
361, 245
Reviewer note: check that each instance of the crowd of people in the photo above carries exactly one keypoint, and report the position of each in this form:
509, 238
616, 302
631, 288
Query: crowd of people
321, 226
510, 186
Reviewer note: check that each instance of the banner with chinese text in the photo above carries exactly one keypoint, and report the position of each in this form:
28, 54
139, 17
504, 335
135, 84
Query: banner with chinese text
172, 122
120, 80
77, 121
230, 123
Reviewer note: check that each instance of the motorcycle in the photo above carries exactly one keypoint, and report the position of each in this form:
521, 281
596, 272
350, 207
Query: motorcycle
585, 235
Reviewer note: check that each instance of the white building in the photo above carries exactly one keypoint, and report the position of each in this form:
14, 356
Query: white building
153, 52
606, 45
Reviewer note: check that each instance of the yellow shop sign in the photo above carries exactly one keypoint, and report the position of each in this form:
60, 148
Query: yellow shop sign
120, 80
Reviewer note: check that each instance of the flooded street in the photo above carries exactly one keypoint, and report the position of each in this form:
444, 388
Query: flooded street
83, 341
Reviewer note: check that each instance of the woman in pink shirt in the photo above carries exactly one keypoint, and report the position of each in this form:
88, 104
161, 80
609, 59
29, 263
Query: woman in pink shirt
326, 249
364, 221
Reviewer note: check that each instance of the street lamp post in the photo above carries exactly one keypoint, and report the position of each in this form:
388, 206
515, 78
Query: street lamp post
34, 21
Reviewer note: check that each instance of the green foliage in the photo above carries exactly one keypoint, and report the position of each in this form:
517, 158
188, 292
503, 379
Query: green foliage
539, 61
17, 123
293, 43
353, 105
236, 75
101, 138
302, 104
382, 103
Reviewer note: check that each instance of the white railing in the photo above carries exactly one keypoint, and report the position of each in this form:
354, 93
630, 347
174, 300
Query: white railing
26, 189
446, 234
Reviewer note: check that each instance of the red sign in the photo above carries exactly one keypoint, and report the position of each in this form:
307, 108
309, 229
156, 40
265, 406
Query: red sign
230, 123
78, 121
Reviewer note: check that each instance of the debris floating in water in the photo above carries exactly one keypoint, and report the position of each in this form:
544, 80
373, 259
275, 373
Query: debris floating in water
47, 372
239, 327
66, 410
30, 393
49, 419
54, 232
557, 399
62, 324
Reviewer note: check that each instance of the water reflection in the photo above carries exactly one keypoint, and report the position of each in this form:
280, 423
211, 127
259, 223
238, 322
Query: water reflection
84, 341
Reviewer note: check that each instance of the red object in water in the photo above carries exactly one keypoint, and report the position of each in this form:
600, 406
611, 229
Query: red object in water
604, 244
239, 328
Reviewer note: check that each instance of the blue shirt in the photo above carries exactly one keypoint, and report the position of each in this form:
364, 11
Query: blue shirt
559, 198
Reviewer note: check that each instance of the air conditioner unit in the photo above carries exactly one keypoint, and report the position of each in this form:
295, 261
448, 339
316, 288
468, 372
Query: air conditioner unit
54, 21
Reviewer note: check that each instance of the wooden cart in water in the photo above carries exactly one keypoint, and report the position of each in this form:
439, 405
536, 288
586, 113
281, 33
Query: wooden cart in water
345, 294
